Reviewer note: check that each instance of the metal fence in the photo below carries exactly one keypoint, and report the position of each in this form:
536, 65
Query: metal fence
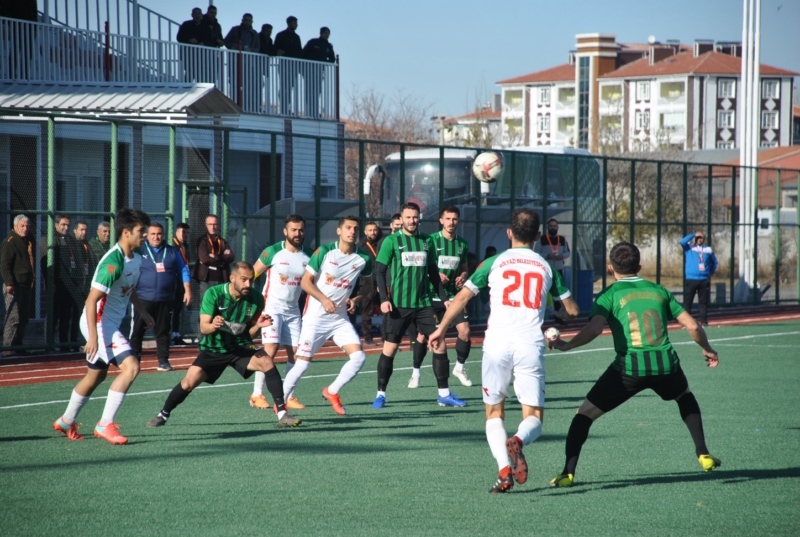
86, 169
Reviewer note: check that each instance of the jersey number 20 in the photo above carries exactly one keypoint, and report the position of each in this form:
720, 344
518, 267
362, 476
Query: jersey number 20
527, 292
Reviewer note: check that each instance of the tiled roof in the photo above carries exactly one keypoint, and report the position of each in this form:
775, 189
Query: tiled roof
685, 63
559, 73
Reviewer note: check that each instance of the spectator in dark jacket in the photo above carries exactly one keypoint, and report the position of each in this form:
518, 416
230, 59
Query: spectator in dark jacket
288, 45
265, 45
17, 268
214, 29
287, 42
99, 245
244, 34
181, 242
319, 49
194, 32
214, 257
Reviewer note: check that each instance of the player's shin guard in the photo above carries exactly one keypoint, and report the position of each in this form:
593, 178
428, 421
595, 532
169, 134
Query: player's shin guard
419, 350
275, 387
496, 436
690, 414
441, 369
577, 435
385, 369
348, 372
462, 350
175, 397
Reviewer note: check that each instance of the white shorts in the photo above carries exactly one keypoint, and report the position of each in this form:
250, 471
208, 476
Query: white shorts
524, 360
285, 329
317, 331
112, 346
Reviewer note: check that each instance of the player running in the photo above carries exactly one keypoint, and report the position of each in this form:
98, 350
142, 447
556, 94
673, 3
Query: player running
230, 317
285, 263
412, 273
637, 312
113, 287
330, 277
449, 252
519, 280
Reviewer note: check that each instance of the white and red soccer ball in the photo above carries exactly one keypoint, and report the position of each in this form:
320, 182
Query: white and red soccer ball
487, 166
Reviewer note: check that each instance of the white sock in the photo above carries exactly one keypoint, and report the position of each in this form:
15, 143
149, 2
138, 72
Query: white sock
415, 372
258, 383
113, 403
281, 413
529, 430
349, 371
381, 393
289, 366
76, 402
496, 436
459, 367
444, 392
293, 376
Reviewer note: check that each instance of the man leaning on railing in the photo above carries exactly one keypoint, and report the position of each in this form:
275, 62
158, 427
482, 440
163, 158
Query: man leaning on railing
214, 28
243, 34
320, 50
193, 32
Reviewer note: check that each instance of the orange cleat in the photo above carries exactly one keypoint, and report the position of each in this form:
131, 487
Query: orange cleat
110, 433
70, 430
335, 401
259, 401
294, 404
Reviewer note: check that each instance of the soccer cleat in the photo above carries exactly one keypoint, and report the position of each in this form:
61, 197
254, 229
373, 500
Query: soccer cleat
562, 480
158, 421
451, 400
379, 402
709, 462
259, 401
504, 483
70, 430
164, 367
294, 404
289, 421
110, 433
335, 401
518, 463
414, 382
462, 376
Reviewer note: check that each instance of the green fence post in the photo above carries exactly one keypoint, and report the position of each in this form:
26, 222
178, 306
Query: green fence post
402, 174
51, 208
733, 230
171, 183
184, 209
602, 267
633, 204
244, 227
685, 202
575, 263
756, 296
797, 234
112, 187
441, 178
709, 208
544, 190
318, 191
226, 141
512, 202
362, 206
659, 177
273, 186
778, 238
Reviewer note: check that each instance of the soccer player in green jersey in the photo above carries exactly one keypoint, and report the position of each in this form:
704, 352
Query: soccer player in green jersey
230, 317
449, 252
405, 256
637, 312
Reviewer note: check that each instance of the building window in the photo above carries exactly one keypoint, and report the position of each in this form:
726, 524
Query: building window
671, 121
512, 98
611, 122
725, 145
566, 124
769, 120
611, 93
672, 90
726, 88
513, 131
544, 123
643, 91
583, 103
770, 89
566, 95
726, 119
642, 120
769, 145
544, 95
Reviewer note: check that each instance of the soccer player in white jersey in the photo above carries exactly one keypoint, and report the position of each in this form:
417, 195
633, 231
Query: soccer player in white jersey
285, 263
519, 280
113, 287
330, 276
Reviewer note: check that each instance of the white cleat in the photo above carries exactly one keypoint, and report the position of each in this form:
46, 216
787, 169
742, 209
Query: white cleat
462, 376
414, 382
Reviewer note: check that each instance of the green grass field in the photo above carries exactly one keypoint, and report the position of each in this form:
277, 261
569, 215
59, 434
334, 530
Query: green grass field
222, 468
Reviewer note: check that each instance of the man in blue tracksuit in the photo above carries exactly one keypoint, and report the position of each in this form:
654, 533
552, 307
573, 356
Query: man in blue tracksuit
700, 266
162, 270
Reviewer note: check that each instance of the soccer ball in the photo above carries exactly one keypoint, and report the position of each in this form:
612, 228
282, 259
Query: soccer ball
487, 166
552, 334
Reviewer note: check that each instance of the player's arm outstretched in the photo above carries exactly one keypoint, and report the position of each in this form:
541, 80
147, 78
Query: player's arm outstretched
587, 334
699, 336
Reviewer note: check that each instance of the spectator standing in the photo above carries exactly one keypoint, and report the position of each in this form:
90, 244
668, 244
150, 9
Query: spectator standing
265, 45
555, 249
99, 245
288, 45
61, 277
162, 270
319, 50
193, 32
17, 268
76, 279
181, 242
214, 257
700, 263
370, 246
243, 70
214, 35
245, 34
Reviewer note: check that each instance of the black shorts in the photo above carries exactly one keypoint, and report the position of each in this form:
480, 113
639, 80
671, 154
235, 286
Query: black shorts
399, 319
214, 364
614, 388
461, 317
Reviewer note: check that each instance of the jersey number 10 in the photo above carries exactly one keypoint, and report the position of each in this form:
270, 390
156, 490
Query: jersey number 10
527, 293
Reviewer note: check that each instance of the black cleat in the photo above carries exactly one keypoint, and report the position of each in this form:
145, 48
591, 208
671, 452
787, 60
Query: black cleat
505, 481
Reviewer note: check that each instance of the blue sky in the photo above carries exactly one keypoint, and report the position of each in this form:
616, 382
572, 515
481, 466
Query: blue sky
451, 52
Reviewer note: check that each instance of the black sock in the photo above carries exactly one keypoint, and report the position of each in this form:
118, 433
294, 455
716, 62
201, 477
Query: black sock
577, 435
175, 397
385, 368
419, 350
462, 350
690, 414
275, 387
441, 369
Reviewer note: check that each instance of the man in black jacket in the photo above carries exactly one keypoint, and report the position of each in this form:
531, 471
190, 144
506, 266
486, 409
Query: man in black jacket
265, 45
214, 29
370, 246
193, 32
288, 44
244, 35
318, 50
16, 267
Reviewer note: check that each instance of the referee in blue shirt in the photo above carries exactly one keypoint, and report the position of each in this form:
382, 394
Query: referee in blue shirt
162, 270
700, 265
